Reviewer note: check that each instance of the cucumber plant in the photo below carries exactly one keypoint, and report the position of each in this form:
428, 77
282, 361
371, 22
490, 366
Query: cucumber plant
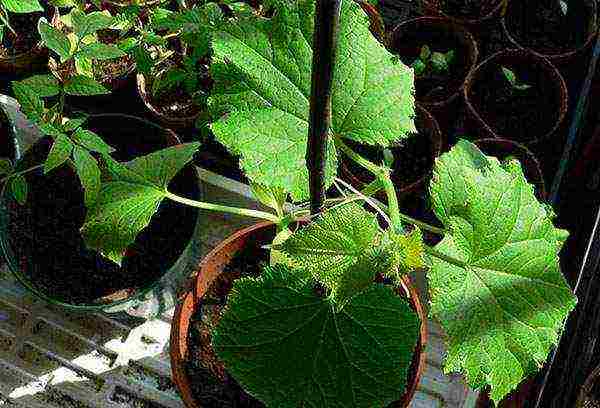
429, 62
512, 80
42, 100
495, 281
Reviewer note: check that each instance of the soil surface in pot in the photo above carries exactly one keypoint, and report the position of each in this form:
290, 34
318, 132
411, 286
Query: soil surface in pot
468, 9
542, 25
433, 87
107, 70
211, 384
27, 35
44, 236
520, 115
414, 157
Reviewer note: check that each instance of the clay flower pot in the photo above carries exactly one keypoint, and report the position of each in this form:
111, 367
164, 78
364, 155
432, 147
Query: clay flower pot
43, 246
212, 267
503, 148
496, 111
488, 11
439, 33
427, 124
518, 28
33, 59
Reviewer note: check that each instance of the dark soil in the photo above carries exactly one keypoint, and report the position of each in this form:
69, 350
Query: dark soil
27, 34
468, 9
434, 87
517, 115
45, 238
7, 141
212, 386
542, 26
414, 157
176, 103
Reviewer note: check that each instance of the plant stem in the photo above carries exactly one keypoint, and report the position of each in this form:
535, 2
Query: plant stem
372, 188
327, 19
451, 260
223, 208
393, 205
18, 173
422, 225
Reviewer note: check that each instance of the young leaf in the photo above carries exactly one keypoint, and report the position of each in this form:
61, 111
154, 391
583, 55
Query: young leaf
59, 153
419, 67
86, 24
509, 75
54, 39
336, 250
84, 85
264, 86
30, 103
564, 7
92, 141
6, 166
425, 53
503, 309
74, 123
100, 52
125, 205
19, 189
89, 174
44, 85
22, 6
290, 348
439, 63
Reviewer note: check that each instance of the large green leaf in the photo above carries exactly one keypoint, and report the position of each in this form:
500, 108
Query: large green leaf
30, 102
59, 153
22, 6
125, 204
262, 81
92, 141
339, 249
86, 24
503, 309
43, 85
83, 85
289, 348
100, 52
54, 39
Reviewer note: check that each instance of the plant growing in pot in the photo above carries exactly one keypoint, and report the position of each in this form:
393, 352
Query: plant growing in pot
442, 53
321, 324
516, 95
40, 236
20, 47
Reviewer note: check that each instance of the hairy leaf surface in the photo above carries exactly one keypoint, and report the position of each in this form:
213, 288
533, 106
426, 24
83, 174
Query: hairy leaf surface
503, 309
262, 85
289, 348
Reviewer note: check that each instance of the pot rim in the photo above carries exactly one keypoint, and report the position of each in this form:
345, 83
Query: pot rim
498, 10
559, 57
223, 253
14, 268
450, 25
553, 72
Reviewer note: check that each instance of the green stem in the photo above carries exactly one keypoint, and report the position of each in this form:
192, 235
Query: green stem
372, 188
422, 225
456, 262
393, 205
223, 208
18, 173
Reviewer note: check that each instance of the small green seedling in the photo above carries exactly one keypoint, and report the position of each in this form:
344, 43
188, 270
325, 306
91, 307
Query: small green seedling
433, 62
15, 6
512, 79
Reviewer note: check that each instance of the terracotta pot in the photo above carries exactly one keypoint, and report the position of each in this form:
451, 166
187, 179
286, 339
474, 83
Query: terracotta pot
427, 121
524, 58
32, 60
174, 122
503, 148
491, 10
408, 37
559, 57
213, 265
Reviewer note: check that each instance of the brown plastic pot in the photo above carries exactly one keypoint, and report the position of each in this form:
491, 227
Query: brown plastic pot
212, 266
491, 10
516, 57
558, 57
174, 122
408, 37
503, 148
32, 60
427, 121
